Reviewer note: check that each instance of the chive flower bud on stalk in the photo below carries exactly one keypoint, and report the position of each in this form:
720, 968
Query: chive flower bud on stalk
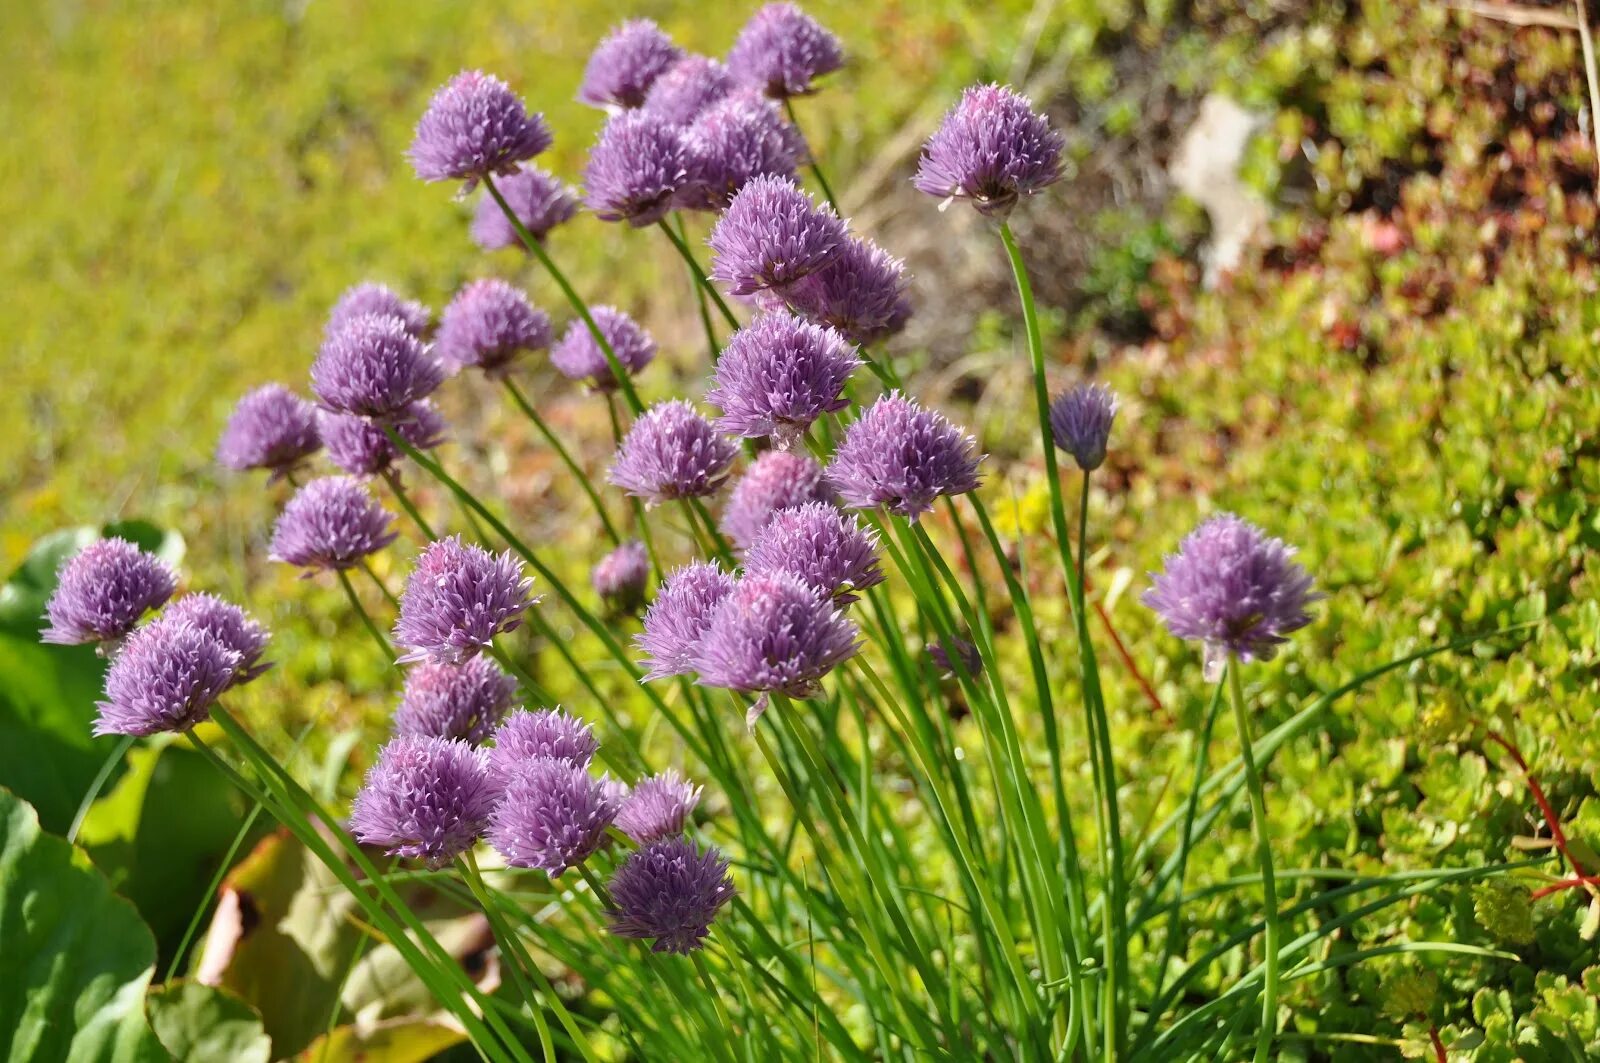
1233, 588
688, 86
777, 375
671, 452
442, 699
360, 447
374, 367
824, 548
538, 199
669, 892
965, 652
902, 457
638, 169
781, 51
370, 298
487, 326
229, 625
625, 64
103, 590
578, 357
167, 677
861, 293
777, 479
458, 598
331, 523
621, 576
552, 815
426, 798
734, 141
771, 236
544, 733
475, 126
272, 428
677, 620
992, 149
657, 807
1080, 420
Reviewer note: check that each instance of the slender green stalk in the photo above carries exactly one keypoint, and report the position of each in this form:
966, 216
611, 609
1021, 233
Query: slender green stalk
1269, 889
98, 783
505, 937
361, 611
400, 496
700, 277
383, 588
530, 686
816, 167
566, 457
713, 348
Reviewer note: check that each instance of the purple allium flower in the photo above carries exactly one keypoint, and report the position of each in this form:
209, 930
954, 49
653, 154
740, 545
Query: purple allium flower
331, 523
657, 807
734, 141
487, 325
475, 126
620, 577
371, 299
772, 235
538, 199
965, 652
229, 625
779, 374
773, 633
1234, 588
860, 293
825, 548
361, 447
1080, 420
782, 50
546, 733
103, 590
552, 815
638, 169
578, 357
271, 428
447, 700
688, 87
374, 367
459, 597
992, 148
677, 620
669, 891
902, 457
671, 452
777, 479
166, 678
428, 798
626, 63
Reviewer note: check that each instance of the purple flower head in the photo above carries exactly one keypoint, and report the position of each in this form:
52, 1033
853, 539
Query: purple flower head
779, 374
446, 700
103, 590
638, 169
371, 299
902, 457
688, 87
782, 50
546, 733
331, 523
578, 357
671, 452
772, 235
459, 597
626, 63
861, 293
734, 141
229, 625
552, 815
361, 447
1080, 420
677, 620
271, 428
778, 479
428, 798
657, 807
1234, 588
539, 200
774, 633
487, 325
992, 148
166, 678
965, 652
825, 548
670, 891
620, 577
475, 126
374, 367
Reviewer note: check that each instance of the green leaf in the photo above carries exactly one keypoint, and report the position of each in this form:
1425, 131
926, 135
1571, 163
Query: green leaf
394, 1041
202, 1024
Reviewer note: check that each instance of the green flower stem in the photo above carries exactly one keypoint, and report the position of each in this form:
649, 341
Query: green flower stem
718, 545
361, 611
536, 249
531, 686
566, 457
816, 167
393, 480
383, 588
113, 758
700, 277
1269, 889
713, 348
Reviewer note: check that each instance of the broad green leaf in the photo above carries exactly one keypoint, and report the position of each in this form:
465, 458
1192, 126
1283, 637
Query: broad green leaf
202, 1024
394, 1041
